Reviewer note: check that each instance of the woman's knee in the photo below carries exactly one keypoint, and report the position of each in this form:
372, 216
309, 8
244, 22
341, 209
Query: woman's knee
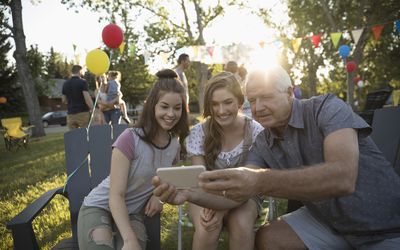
100, 237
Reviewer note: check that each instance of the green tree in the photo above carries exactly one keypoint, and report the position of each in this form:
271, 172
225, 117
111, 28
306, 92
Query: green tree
14, 7
325, 16
8, 77
36, 63
168, 28
56, 66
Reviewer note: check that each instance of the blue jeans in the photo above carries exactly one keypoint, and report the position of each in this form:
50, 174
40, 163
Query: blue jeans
113, 115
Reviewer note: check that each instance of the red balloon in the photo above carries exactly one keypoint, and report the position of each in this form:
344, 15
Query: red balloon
112, 35
351, 66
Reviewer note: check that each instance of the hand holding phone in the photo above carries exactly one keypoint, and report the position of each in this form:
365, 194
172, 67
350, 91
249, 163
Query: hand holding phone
184, 177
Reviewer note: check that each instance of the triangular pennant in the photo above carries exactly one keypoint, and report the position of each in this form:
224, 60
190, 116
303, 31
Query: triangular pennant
397, 23
122, 48
377, 30
296, 44
357, 34
316, 39
132, 50
74, 46
278, 44
335, 37
262, 44
210, 50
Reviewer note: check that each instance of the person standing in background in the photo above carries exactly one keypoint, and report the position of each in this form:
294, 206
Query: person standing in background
183, 64
76, 95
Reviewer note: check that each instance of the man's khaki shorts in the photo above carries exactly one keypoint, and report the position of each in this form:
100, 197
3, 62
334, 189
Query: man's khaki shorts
78, 120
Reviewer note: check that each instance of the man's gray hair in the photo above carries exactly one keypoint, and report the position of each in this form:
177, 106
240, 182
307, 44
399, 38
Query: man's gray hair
275, 74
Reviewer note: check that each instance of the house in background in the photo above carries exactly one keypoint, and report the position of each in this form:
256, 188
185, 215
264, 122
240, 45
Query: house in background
52, 102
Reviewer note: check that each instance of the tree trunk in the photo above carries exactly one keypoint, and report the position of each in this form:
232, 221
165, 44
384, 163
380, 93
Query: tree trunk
24, 73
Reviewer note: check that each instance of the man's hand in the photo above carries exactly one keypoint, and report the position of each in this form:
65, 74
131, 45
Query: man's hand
153, 206
238, 184
168, 193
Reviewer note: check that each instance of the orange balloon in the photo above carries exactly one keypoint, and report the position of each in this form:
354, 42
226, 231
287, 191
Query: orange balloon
3, 100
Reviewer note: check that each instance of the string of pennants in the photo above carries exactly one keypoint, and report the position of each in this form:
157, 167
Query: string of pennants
335, 36
243, 53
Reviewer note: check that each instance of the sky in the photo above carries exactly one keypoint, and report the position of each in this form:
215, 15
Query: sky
48, 23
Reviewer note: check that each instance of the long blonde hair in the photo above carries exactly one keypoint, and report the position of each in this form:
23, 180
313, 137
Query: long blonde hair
213, 131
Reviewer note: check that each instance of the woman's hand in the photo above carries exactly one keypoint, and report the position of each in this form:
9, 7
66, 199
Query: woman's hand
168, 193
211, 220
153, 206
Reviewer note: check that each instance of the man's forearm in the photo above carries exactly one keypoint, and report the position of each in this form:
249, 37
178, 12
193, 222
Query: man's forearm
321, 181
201, 198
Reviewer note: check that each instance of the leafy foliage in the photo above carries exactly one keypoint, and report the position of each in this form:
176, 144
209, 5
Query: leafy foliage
9, 87
375, 59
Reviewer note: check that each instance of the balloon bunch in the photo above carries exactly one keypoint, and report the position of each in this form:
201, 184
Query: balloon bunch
351, 66
97, 61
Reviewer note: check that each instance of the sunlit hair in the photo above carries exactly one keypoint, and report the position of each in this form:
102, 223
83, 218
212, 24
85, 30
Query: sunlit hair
167, 82
231, 66
114, 74
100, 80
213, 138
274, 75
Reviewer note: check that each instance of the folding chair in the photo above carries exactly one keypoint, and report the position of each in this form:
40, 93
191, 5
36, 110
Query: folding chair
15, 136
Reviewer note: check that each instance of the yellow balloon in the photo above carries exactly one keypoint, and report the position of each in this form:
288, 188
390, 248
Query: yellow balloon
97, 61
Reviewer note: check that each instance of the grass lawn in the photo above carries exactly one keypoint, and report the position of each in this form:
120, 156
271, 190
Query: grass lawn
26, 174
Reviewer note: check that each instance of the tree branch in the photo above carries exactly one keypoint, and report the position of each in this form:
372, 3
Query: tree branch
188, 29
160, 15
328, 14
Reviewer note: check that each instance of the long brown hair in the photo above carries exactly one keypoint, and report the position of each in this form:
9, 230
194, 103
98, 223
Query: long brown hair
213, 131
167, 82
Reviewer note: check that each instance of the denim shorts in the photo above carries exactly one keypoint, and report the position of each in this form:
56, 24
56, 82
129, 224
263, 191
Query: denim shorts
91, 218
317, 235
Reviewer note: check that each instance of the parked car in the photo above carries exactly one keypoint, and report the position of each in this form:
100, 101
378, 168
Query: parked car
55, 117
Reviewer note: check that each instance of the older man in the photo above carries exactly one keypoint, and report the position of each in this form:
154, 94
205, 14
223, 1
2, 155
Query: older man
320, 152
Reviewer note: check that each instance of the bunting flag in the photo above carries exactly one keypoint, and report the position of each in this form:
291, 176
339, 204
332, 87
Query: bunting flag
132, 50
316, 39
397, 23
296, 44
278, 44
356, 35
164, 57
377, 30
335, 37
195, 51
262, 44
122, 48
77, 58
210, 50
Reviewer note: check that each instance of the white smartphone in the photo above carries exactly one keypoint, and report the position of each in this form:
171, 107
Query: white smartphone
184, 177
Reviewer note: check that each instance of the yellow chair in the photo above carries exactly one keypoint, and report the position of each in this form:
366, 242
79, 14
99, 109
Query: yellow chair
396, 97
15, 136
